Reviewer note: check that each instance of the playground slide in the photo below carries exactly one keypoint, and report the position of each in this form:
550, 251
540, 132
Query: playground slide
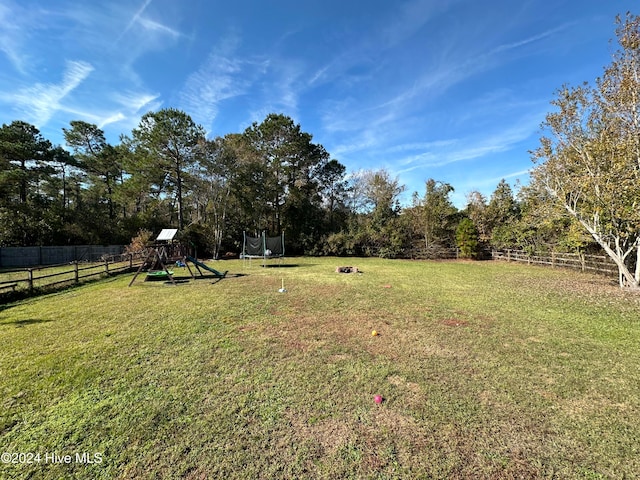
206, 267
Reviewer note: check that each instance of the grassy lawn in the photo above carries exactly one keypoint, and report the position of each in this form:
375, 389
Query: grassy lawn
487, 370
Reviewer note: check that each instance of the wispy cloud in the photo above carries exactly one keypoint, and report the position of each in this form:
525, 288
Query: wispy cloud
40, 101
114, 118
517, 174
154, 26
384, 117
134, 19
445, 152
223, 75
530, 40
281, 86
421, 146
145, 31
289, 89
363, 142
319, 75
374, 111
13, 33
100, 119
411, 17
131, 107
135, 101
218, 79
459, 68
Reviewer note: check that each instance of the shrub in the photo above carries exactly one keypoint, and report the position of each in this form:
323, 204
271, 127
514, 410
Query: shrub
139, 242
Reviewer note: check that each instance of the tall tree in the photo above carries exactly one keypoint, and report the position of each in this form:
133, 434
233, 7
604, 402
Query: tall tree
64, 163
167, 144
477, 213
97, 158
435, 215
334, 189
376, 203
213, 186
502, 207
23, 151
283, 165
381, 194
589, 159
502, 214
24, 157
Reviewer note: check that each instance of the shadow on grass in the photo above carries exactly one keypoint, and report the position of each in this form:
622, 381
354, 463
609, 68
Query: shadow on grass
226, 277
215, 278
291, 265
23, 323
9, 300
6, 307
176, 281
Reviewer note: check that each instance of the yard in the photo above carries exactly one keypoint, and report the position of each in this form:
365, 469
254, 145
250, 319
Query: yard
486, 369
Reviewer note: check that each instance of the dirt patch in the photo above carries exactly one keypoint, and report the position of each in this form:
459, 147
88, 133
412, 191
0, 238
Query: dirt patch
330, 434
399, 381
339, 357
454, 322
589, 405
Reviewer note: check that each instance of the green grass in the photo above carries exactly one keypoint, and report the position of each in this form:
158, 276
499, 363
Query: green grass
488, 370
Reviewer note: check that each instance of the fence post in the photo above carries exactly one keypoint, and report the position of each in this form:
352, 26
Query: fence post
131, 261
583, 260
553, 259
75, 271
30, 279
106, 265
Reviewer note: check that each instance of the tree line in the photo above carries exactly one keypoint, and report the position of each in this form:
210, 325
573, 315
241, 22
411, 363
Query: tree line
584, 193
270, 177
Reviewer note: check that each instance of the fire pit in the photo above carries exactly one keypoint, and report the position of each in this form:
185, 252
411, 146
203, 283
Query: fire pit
346, 269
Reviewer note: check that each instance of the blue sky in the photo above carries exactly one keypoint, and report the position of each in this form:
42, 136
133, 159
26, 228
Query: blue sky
448, 89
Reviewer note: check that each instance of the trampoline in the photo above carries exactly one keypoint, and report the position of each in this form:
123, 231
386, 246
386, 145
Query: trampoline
263, 247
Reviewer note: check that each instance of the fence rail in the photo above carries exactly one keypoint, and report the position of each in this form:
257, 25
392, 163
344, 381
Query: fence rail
420, 252
25, 281
577, 261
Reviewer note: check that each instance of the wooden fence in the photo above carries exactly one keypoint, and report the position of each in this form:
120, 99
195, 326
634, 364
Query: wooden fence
420, 252
577, 261
25, 281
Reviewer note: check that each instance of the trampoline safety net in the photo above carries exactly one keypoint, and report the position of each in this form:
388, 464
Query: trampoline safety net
262, 247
